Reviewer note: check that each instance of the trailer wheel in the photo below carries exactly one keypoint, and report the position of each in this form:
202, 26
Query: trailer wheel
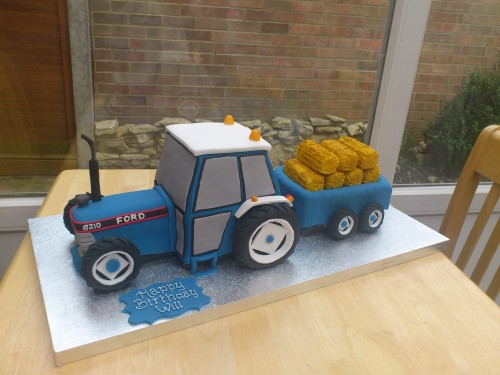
266, 236
371, 218
110, 263
66, 217
342, 224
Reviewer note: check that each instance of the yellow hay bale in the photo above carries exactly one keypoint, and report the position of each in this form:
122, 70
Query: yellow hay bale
317, 157
371, 175
354, 177
303, 175
367, 156
334, 180
348, 159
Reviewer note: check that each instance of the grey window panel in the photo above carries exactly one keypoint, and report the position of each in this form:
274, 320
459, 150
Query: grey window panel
208, 232
219, 184
175, 171
256, 175
179, 228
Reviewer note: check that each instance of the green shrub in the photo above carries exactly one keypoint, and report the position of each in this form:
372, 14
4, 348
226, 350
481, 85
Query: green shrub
461, 119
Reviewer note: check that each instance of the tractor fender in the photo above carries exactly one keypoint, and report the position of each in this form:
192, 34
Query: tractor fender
258, 201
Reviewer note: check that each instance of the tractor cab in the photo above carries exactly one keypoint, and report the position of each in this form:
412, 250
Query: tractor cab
209, 170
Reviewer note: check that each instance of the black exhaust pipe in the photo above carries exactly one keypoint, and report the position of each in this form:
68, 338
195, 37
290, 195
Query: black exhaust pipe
95, 186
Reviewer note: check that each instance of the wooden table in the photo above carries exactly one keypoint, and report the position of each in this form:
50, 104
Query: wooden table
421, 317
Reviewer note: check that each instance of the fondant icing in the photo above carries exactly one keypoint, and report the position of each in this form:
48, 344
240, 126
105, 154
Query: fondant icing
216, 138
163, 300
215, 192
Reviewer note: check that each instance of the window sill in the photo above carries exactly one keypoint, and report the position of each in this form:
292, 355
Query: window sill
14, 213
433, 200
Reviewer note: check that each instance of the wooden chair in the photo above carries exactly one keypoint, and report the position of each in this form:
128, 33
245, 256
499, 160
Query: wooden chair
484, 160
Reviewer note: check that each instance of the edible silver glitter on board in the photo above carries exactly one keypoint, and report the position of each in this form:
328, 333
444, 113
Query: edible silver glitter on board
80, 317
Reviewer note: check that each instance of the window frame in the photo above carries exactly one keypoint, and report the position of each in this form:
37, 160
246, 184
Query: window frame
402, 56
407, 29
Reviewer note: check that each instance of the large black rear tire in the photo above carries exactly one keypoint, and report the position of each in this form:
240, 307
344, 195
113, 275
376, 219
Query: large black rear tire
110, 263
266, 236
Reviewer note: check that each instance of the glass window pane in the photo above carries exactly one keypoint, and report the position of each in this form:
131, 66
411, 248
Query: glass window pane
37, 128
456, 91
291, 69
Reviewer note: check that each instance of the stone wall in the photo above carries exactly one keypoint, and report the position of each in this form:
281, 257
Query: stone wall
140, 145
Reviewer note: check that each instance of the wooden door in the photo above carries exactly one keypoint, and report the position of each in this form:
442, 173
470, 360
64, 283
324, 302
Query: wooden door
37, 126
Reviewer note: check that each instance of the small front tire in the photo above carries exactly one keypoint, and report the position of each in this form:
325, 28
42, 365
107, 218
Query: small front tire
342, 224
110, 263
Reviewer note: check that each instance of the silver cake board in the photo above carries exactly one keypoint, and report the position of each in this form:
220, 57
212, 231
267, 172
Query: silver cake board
84, 323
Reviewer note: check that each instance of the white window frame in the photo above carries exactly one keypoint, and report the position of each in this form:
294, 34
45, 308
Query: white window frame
14, 213
404, 45
403, 49
398, 76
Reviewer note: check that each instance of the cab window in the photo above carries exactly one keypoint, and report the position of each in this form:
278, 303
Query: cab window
257, 177
219, 183
175, 171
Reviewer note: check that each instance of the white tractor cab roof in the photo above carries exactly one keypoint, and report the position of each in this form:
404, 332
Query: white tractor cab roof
204, 138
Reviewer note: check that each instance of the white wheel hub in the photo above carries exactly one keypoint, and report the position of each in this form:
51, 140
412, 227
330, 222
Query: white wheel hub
346, 225
375, 218
113, 267
271, 241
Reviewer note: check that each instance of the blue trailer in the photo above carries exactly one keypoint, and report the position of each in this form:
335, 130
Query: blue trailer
341, 210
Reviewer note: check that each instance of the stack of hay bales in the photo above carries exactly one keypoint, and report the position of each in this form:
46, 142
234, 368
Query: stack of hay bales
332, 164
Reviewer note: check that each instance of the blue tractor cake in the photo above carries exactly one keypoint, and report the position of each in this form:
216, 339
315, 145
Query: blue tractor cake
215, 193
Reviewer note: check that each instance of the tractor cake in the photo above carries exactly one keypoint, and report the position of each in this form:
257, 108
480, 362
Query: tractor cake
215, 193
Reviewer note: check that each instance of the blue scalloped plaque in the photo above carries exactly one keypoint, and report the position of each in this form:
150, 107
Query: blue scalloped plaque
163, 300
